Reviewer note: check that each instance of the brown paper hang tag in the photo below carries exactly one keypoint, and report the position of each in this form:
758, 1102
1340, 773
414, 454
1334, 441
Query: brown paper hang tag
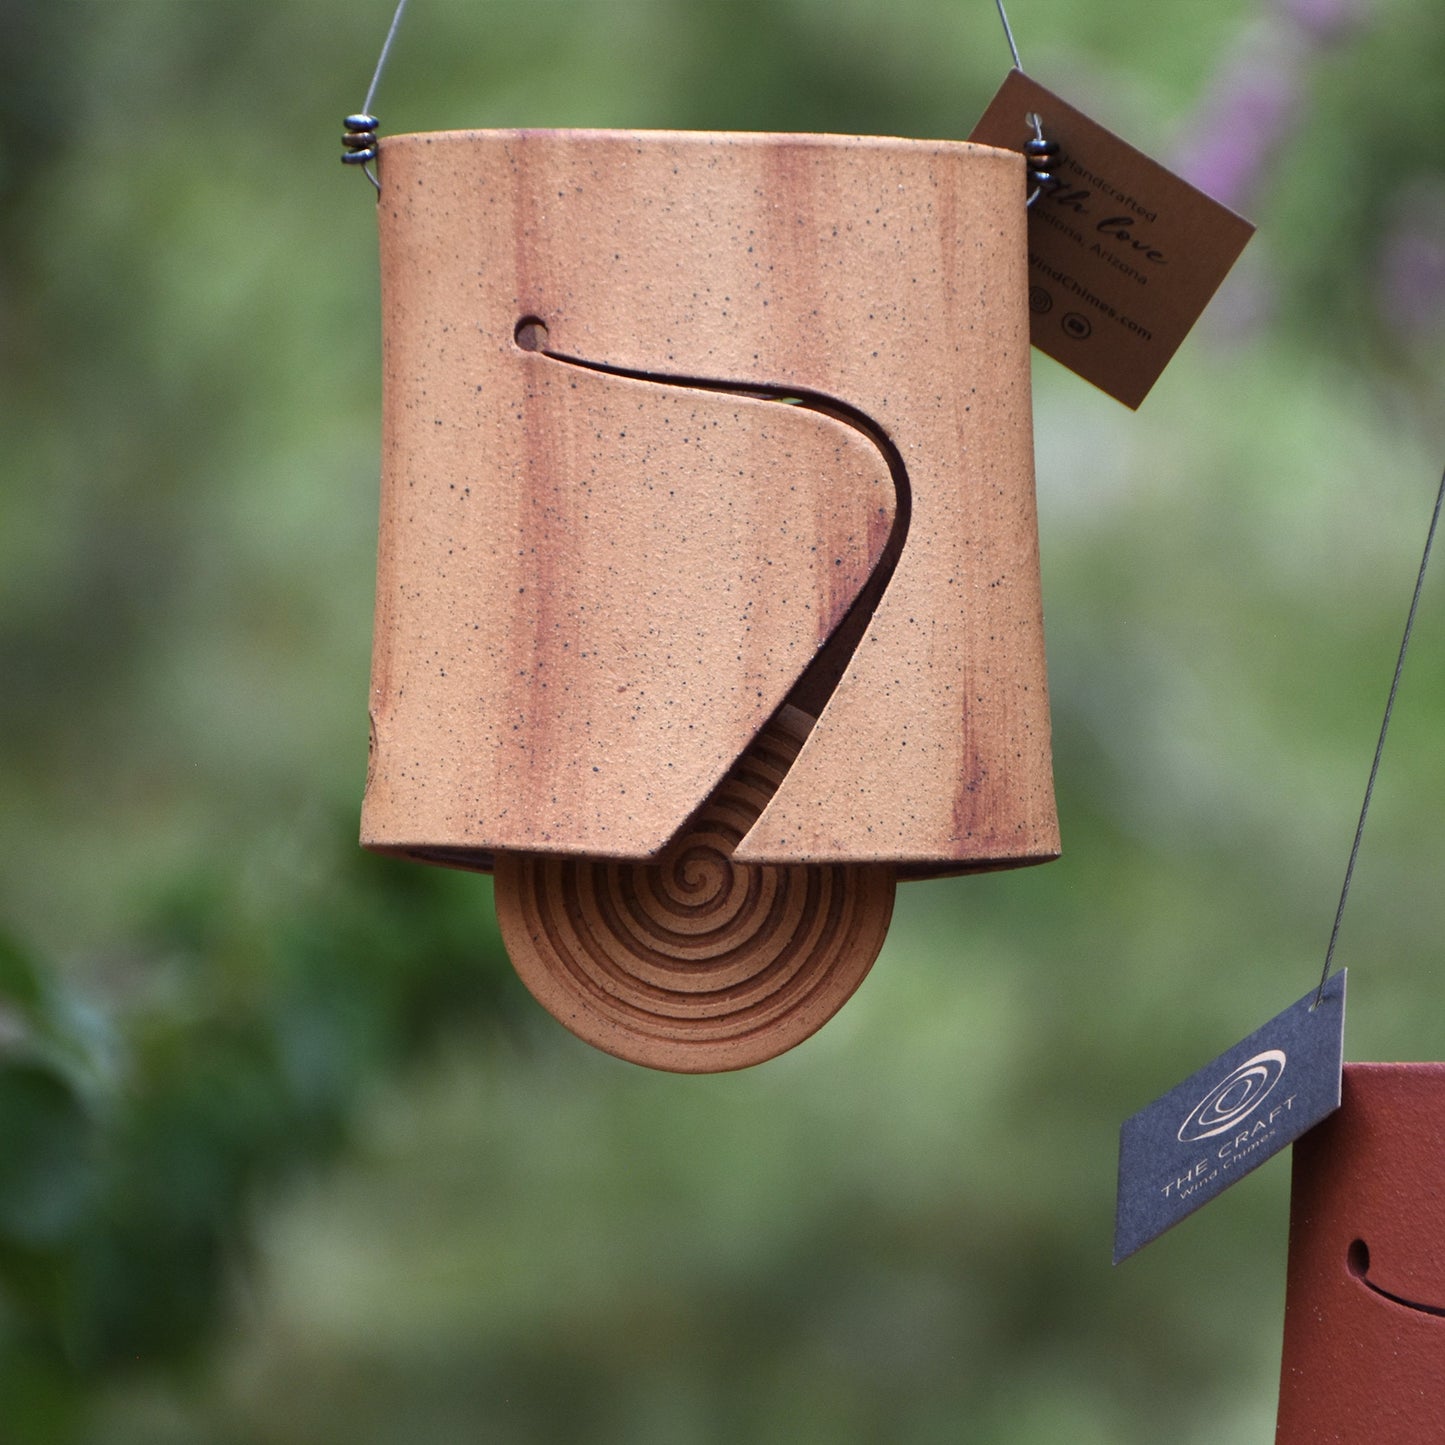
1123, 255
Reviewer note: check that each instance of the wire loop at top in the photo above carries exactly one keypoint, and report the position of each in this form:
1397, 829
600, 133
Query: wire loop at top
1039, 152
360, 139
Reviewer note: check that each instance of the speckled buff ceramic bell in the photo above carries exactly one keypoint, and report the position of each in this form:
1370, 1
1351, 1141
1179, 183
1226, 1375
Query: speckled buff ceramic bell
707, 597
1364, 1331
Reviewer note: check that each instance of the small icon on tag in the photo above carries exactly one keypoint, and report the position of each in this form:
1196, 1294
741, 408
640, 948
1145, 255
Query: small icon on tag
1235, 1097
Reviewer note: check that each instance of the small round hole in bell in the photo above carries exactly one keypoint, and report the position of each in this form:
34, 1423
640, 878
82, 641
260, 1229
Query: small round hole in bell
530, 334
1357, 1258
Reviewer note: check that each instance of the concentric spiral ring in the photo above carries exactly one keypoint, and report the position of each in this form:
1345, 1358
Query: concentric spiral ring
692, 962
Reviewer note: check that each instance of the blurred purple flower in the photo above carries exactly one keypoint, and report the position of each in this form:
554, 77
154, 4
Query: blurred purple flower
1250, 108
1254, 102
1324, 20
1248, 113
1410, 285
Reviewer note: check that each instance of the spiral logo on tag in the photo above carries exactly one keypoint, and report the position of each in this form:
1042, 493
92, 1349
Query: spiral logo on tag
1234, 1097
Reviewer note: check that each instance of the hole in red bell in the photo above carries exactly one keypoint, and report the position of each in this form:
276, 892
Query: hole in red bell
1357, 1258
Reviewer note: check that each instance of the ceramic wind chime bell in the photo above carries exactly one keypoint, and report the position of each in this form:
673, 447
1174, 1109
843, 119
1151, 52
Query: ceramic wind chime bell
1364, 1331
707, 597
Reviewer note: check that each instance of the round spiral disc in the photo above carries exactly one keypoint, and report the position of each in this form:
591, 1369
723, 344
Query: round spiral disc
692, 962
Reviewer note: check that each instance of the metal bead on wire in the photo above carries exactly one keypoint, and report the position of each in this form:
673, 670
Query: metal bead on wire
1041, 154
359, 140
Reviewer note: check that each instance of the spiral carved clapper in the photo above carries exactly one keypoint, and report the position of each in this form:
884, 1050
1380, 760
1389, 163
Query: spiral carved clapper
707, 595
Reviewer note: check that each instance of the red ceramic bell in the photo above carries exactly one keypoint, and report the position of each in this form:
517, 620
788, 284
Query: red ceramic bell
1364, 1333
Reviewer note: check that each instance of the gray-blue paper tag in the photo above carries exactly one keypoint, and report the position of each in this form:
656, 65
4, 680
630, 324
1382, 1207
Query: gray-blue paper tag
1231, 1116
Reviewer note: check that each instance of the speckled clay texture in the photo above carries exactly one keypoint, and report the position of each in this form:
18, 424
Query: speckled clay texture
1364, 1332
594, 589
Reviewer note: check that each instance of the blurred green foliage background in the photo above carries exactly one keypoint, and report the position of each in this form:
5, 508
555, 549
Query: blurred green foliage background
286, 1152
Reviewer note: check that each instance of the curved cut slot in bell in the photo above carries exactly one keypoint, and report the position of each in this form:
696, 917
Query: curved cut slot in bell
1357, 1261
820, 678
